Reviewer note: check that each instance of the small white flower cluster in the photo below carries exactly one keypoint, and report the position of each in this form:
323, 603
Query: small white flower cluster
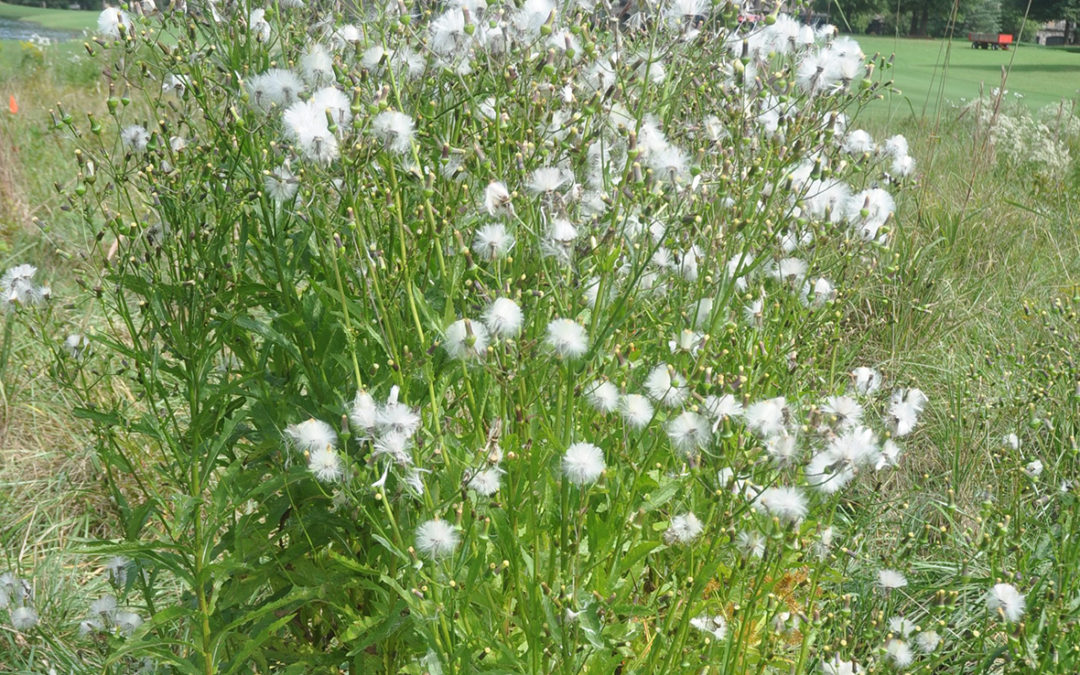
317, 441
1038, 144
390, 428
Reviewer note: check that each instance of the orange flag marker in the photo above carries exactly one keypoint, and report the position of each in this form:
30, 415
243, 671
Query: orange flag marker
12, 105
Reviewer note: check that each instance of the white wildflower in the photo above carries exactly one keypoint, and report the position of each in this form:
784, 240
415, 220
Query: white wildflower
845, 411
363, 415
783, 448
103, 608
333, 102
281, 184
890, 455
900, 653
750, 544
306, 124
127, 622
1034, 468
275, 87
317, 65
927, 641
548, 179
395, 446
904, 410
497, 199
686, 340
258, 26
117, 569
901, 626
722, 408
559, 240
858, 142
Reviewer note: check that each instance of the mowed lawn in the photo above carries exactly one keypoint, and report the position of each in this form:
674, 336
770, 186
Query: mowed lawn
58, 19
926, 72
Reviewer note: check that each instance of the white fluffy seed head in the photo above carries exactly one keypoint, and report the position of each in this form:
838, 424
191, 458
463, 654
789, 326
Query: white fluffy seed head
1005, 601
436, 538
583, 463
492, 242
128, 622
689, 432
683, 529
363, 413
112, 21
866, 380
311, 435
497, 199
787, 504
636, 410
466, 340
900, 653
504, 318
891, 579
666, 387
927, 641
395, 130
768, 417
486, 482
23, 618
325, 464
714, 625
604, 396
567, 338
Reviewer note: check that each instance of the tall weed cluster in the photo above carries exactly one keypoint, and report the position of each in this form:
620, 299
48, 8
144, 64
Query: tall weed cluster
1039, 146
485, 338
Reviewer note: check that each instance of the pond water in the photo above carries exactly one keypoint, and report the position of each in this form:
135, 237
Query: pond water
25, 30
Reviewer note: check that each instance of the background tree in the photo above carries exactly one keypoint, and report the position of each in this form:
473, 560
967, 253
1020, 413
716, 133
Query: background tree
984, 16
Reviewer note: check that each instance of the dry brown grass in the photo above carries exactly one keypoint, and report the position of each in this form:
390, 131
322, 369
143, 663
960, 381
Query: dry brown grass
14, 209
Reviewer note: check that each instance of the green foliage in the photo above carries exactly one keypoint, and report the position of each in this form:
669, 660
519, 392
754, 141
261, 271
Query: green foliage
258, 281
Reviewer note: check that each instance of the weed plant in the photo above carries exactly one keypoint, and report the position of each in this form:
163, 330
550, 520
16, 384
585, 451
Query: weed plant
483, 338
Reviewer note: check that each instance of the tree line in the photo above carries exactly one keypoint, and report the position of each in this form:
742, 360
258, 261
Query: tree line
932, 17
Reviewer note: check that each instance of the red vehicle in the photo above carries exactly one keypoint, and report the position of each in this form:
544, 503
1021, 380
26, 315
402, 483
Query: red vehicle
990, 40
